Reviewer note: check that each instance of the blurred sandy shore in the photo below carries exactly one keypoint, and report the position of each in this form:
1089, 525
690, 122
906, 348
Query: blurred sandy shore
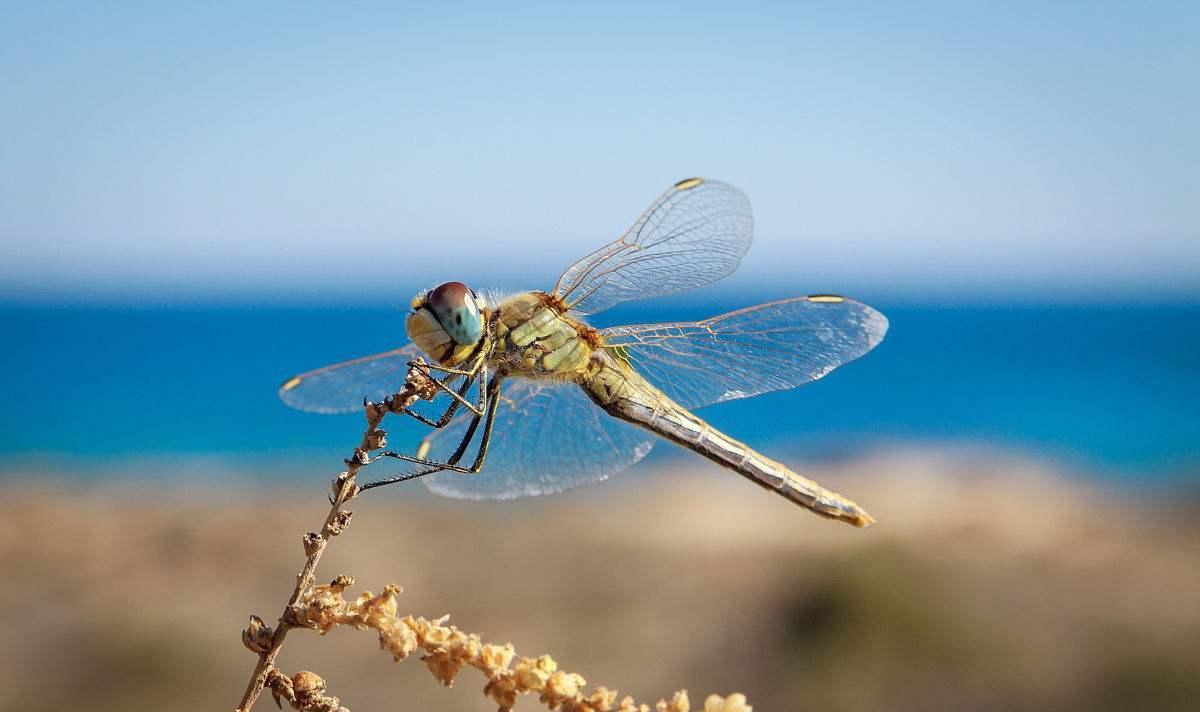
985, 586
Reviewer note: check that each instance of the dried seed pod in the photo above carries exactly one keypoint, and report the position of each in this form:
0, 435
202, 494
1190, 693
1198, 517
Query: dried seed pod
419, 381
280, 686
447, 651
258, 636
312, 542
340, 522
307, 684
736, 702
377, 439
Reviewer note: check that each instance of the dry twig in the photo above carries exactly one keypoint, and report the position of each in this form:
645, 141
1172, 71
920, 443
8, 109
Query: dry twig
264, 641
447, 650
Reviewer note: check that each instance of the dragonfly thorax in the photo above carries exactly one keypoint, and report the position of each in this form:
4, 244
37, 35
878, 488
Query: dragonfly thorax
534, 337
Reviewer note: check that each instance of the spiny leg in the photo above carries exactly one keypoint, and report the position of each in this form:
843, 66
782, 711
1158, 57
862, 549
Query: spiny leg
458, 398
425, 420
423, 447
452, 408
451, 464
493, 400
448, 369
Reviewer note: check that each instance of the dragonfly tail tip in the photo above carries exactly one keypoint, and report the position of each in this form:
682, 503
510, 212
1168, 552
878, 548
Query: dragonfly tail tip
861, 519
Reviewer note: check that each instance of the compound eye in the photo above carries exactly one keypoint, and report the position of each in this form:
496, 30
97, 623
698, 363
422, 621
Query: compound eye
453, 303
451, 295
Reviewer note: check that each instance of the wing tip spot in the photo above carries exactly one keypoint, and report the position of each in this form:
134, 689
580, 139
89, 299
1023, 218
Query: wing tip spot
826, 298
291, 383
688, 183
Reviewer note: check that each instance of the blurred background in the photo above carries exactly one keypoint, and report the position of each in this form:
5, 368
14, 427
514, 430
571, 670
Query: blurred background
196, 202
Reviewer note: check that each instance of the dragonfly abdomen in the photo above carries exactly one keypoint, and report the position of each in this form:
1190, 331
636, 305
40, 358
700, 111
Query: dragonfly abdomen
626, 395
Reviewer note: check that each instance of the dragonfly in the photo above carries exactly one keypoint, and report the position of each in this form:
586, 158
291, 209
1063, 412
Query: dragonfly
549, 403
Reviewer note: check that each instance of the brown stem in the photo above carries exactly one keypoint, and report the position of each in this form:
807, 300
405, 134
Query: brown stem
417, 385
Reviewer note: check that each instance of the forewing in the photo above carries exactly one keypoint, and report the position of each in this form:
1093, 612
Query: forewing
341, 387
548, 437
695, 233
750, 351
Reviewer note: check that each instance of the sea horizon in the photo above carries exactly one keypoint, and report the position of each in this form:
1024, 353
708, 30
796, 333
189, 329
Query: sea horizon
1103, 390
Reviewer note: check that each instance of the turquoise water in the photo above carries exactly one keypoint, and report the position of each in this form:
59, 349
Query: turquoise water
1112, 390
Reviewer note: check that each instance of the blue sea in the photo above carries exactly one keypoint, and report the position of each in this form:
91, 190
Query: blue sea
1111, 391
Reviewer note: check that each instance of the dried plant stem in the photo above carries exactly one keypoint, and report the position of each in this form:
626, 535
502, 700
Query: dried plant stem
258, 637
446, 649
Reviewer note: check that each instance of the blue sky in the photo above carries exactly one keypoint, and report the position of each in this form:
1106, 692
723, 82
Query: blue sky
287, 152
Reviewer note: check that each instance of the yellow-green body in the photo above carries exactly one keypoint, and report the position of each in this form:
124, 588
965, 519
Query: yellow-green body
533, 336
535, 339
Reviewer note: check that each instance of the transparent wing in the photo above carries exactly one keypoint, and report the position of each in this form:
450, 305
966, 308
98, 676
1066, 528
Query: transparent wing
750, 351
695, 233
341, 387
548, 437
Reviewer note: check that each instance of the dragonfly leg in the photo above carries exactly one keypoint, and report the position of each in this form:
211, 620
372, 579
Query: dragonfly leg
446, 416
458, 399
448, 369
452, 463
429, 467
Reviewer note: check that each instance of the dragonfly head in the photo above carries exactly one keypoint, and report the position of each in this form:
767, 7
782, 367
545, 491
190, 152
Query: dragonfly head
447, 322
